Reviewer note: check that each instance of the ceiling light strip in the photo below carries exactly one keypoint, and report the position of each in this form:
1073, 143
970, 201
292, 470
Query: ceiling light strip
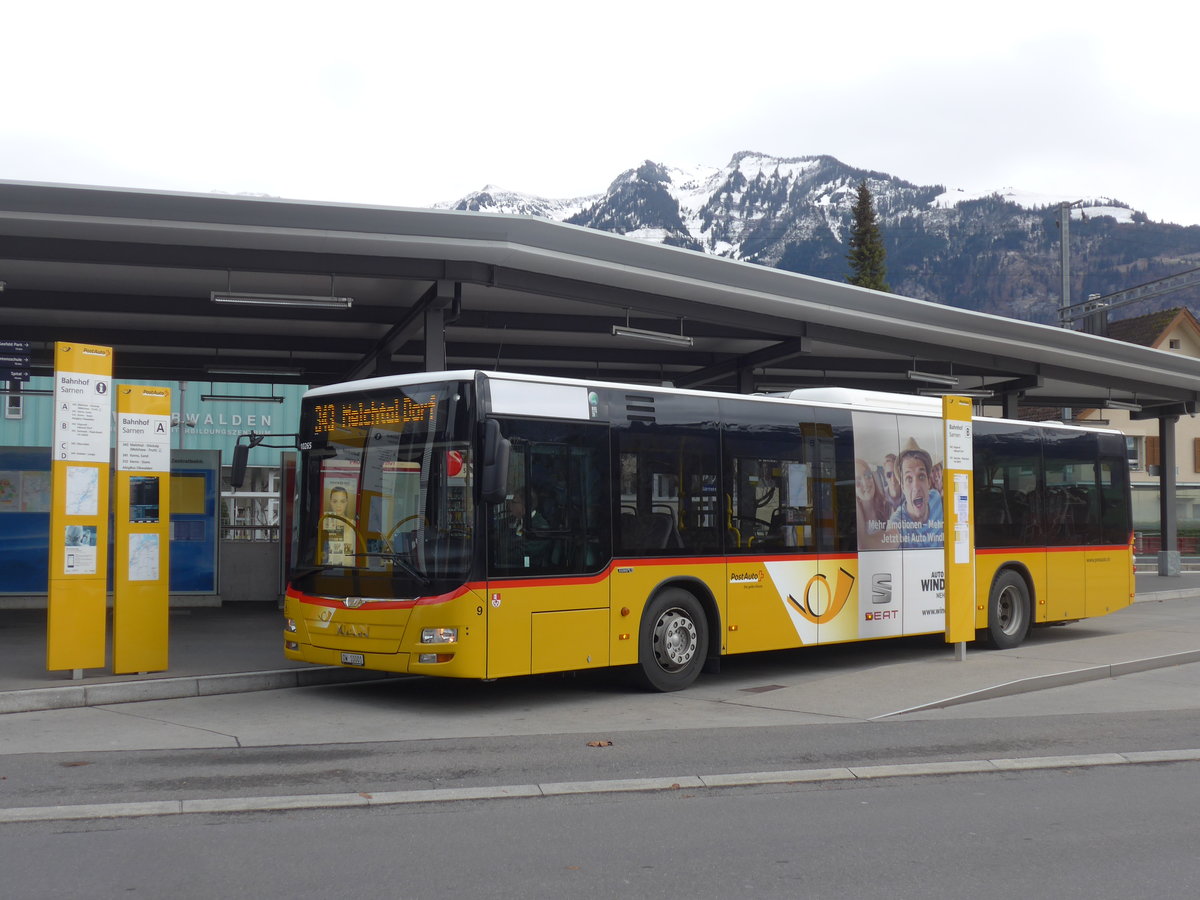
661, 337
307, 301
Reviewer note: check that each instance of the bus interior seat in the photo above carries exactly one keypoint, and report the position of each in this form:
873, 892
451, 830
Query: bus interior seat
649, 531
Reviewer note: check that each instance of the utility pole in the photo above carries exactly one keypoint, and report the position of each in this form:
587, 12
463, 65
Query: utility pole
1064, 229
1064, 225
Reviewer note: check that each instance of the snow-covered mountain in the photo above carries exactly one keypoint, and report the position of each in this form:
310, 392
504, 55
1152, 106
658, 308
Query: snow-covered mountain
497, 200
996, 252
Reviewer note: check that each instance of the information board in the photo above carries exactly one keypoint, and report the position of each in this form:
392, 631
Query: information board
79, 452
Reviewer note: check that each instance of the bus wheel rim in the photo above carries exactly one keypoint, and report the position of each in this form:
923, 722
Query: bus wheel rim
1008, 611
675, 640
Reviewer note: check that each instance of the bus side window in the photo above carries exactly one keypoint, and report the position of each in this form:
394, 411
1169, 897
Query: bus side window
555, 518
1008, 499
669, 503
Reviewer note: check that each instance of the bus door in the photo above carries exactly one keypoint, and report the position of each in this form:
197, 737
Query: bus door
548, 546
1109, 571
832, 595
790, 577
770, 535
1068, 480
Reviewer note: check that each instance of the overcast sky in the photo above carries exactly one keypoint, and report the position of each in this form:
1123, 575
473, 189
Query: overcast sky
407, 104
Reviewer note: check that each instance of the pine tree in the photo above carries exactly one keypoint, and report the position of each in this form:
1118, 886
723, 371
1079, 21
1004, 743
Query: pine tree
867, 256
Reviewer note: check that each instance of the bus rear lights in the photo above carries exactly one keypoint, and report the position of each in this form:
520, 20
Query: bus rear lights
426, 658
439, 636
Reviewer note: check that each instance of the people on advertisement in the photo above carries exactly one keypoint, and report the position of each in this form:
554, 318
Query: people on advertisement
917, 522
335, 522
338, 503
891, 482
873, 507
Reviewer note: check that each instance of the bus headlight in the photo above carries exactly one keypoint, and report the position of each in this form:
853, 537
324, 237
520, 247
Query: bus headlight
439, 635
290, 625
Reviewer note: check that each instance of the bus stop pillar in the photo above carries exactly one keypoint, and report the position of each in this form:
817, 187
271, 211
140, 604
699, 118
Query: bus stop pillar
958, 536
1168, 554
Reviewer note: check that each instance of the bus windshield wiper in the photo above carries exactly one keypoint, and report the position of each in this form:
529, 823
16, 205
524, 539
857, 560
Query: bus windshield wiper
397, 560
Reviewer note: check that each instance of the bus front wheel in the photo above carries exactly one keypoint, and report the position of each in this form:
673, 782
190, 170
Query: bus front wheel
673, 642
1008, 611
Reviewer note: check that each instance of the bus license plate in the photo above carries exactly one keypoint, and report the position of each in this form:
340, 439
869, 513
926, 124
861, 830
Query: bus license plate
353, 659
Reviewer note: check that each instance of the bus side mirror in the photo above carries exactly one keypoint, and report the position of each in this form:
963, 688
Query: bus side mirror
237, 469
494, 477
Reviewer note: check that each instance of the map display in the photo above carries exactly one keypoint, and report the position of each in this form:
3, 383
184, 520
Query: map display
143, 557
83, 491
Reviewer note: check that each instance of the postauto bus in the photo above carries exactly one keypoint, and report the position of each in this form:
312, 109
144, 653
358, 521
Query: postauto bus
484, 525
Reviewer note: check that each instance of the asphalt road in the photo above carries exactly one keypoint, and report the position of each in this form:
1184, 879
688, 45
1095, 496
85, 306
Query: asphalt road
1083, 823
1096, 833
368, 738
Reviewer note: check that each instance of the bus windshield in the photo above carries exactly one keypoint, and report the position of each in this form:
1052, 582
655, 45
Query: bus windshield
386, 506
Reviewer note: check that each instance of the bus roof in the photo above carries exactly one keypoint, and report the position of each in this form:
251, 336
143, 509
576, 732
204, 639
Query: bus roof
875, 400
848, 398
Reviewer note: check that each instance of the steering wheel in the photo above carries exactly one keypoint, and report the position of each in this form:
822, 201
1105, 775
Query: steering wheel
387, 538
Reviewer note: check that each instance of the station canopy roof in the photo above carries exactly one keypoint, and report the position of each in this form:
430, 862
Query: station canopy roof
138, 270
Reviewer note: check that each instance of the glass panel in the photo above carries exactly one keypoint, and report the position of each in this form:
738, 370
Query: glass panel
387, 498
555, 517
1070, 511
789, 479
669, 504
1007, 488
1115, 512
772, 502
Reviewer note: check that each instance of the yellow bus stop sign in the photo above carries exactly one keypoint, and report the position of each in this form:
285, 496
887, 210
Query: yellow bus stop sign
959, 519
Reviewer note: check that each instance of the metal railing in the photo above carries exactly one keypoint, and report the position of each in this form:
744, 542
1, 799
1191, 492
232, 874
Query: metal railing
260, 533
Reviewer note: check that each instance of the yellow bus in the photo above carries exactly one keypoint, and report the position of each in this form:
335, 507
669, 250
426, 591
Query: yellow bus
484, 525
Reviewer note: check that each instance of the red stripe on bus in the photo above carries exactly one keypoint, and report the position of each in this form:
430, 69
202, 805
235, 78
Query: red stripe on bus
1089, 548
551, 581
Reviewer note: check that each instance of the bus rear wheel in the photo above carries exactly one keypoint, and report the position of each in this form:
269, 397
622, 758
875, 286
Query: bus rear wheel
1008, 611
673, 641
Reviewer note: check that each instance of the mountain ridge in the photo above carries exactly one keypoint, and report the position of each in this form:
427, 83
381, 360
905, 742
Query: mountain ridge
996, 252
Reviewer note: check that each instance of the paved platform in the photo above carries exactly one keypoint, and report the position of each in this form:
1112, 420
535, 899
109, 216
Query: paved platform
236, 648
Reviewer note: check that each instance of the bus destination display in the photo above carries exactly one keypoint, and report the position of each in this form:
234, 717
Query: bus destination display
354, 414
